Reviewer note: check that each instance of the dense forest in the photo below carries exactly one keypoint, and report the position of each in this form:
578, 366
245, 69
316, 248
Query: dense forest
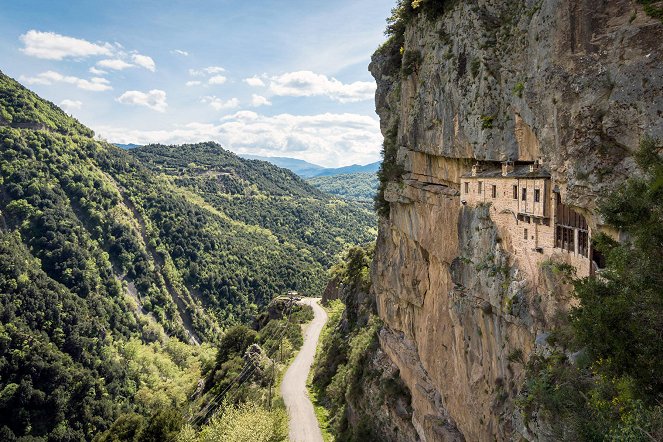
360, 186
113, 263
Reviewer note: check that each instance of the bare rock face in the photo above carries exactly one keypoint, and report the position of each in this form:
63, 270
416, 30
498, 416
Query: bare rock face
576, 83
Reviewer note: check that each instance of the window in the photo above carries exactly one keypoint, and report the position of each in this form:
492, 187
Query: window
583, 243
537, 195
480, 186
525, 234
524, 198
493, 192
515, 192
467, 187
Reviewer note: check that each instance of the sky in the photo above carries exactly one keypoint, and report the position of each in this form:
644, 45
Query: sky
272, 78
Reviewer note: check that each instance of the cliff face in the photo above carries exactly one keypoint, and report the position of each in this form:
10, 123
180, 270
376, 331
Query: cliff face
576, 84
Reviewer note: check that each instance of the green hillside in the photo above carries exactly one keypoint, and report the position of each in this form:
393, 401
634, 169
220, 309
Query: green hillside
109, 258
361, 186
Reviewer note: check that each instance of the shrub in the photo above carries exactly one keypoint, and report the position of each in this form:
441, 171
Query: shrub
411, 61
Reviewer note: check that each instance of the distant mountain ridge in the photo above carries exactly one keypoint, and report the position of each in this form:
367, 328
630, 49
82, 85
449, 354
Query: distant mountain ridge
310, 170
127, 146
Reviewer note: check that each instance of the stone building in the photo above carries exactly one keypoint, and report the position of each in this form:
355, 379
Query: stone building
528, 211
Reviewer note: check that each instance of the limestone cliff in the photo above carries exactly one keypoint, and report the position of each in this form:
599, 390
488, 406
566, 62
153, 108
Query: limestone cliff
576, 84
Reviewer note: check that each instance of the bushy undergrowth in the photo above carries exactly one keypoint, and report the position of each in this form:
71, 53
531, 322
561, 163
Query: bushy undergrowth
612, 386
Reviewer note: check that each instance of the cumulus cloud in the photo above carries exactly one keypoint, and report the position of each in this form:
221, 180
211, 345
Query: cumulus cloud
210, 70
219, 104
96, 71
154, 99
180, 52
327, 139
217, 79
52, 46
254, 81
307, 84
144, 61
70, 105
115, 64
259, 100
96, 84
193, 83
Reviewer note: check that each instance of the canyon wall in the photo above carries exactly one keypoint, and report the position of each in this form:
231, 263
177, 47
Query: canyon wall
575, 83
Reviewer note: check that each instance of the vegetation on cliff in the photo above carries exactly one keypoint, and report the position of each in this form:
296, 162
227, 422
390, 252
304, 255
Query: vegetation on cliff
346, 380
604, 378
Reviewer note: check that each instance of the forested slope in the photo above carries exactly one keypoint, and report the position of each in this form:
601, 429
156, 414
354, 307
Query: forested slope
307, 222
102, 259
360, 186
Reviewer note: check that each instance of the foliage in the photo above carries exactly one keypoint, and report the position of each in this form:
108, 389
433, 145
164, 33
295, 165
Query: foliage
652, 10
243, 423
360, 186
342, 366
106, 265
411, 61
518, 89
354, 269
487, 121
390, 169
268, 218
20, 107
614, 391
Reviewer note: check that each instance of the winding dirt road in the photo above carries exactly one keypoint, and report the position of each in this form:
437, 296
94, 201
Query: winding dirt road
303, 423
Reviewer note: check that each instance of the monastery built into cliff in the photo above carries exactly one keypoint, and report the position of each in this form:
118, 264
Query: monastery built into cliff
527, 208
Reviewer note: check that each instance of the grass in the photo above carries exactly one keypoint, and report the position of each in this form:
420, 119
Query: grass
321, 413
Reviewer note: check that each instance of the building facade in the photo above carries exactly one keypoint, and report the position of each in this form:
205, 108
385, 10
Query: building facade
530, 215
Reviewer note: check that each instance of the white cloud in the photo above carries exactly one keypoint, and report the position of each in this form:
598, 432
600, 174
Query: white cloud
326, 139
210, 70
144, 61
180, 52
254, 81
217, 79
52, 46
193, 83
114, 63
50, 77
96, 71
154, 99
259, 100
219, 104
69, 105
307, 84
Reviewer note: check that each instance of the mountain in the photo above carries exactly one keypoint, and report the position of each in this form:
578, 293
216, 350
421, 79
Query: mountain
309, 170
126, 146
360, 186
355, 168
300, 167
112, 260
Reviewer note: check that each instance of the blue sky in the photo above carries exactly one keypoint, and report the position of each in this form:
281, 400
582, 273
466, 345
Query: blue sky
276, 78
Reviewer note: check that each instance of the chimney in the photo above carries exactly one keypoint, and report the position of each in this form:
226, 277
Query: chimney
507, 167
476, 169
535, 166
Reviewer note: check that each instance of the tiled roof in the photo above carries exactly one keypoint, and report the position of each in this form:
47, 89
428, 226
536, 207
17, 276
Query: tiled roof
518, 172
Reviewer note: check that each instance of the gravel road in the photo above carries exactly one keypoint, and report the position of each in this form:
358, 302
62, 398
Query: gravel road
303, 423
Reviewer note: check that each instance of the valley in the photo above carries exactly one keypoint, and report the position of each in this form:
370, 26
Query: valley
496, 276
160, 248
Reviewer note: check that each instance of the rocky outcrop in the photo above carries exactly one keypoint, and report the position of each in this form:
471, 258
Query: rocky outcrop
574, 83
